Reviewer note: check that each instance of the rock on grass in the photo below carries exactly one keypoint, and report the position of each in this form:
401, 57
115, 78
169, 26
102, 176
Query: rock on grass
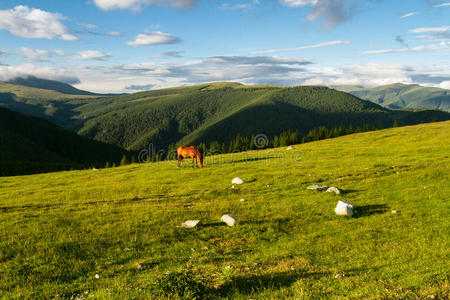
229, 220
344, 209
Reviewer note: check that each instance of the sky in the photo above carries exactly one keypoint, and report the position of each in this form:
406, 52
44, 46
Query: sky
112, 46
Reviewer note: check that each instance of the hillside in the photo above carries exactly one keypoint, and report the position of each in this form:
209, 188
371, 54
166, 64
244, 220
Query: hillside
46, 84
218, 112
53, 106
204, 113
113, 233
30, 145
403, 96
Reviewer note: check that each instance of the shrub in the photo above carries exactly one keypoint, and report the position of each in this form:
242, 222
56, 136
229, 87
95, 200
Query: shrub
181, 284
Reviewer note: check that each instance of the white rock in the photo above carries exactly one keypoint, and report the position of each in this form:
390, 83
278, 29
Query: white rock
229, 220
190, 223
242, 200
394, 211
333, 189
317, 187
344, 209
339, 276
237, 180
291, 147
97, 276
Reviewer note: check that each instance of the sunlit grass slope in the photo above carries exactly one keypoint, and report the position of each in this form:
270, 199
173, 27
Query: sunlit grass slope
58, 230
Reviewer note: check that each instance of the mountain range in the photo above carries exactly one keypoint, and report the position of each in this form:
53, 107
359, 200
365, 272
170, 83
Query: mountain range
183, 115
397, 96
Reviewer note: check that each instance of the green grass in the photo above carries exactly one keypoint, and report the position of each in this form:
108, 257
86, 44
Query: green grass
58, 230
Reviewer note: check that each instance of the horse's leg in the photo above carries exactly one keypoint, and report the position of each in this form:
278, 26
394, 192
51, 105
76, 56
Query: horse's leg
193, 161
179, 158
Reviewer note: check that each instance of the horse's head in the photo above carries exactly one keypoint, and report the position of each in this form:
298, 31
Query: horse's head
200, 159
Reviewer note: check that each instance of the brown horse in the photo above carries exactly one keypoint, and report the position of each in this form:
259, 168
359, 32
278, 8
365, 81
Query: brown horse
192, 152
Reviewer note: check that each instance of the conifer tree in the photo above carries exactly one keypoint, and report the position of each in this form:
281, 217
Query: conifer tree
124, 161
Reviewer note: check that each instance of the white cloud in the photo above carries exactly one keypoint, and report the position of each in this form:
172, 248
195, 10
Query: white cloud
154, 38
90, 26
91, 55
430, 29
9, 72
277, 70
138, 4
240, 6
39, 55
28, 22
115, 33
3, 53
298, 3
443, 4
408, 15
380, 73
433, 33
176, 54
332, 12
319, 45
445, 84
433, 47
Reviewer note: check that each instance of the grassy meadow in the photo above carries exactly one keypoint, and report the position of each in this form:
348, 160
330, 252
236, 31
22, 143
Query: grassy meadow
114, 233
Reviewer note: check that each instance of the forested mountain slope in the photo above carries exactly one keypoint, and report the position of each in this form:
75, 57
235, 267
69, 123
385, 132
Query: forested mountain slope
403, 96
204, 113
29, 144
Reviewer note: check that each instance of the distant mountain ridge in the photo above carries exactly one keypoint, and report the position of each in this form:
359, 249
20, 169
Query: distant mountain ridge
46, 84
400, 95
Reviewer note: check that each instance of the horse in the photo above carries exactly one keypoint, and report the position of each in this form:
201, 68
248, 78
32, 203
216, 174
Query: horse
192, 152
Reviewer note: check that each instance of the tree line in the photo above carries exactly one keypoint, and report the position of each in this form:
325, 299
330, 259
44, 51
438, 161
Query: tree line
254, 142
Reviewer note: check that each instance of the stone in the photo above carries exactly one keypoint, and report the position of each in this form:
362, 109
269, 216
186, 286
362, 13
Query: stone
94, 169
394, 211
138, 266
339, 276
190, 223
237, 180
291, 147
317, 187
344, 209
242, 200
333, 189
229, 220
97, 276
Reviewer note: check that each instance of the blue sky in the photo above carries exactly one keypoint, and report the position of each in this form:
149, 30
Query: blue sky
132, 45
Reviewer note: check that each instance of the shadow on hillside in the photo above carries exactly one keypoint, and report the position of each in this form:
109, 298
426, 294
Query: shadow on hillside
274, 281
214, 224
368, 210
347, 192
